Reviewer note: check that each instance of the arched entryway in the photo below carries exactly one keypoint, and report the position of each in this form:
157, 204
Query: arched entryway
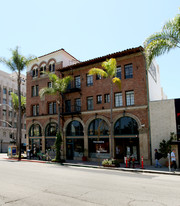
35, 139
74, 140
98, 139
50, 136
126, 137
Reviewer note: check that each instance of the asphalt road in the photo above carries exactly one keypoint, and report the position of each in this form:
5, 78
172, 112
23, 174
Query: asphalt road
27, 183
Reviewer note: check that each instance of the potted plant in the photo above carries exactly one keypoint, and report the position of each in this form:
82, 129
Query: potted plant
110, 163
165, 146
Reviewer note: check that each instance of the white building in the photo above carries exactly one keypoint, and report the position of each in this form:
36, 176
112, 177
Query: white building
8, 117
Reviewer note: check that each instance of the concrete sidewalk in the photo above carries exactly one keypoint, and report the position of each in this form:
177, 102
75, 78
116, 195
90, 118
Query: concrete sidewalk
97, 165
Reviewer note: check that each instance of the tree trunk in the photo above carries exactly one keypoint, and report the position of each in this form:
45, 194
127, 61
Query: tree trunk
111, 121
17, 133
59, 116
58, 136
19, 113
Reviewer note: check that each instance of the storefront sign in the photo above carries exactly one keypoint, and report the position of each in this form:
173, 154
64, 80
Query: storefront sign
98, 142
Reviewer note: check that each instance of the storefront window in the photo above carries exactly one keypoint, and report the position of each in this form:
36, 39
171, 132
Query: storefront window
98, 127
35, 146
74, 147
126, 126
35, 130
99, 148
78, 147
74, 128
49, 143
51, 129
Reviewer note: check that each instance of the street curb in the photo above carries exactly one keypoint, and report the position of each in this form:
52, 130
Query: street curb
123, 169
101, 167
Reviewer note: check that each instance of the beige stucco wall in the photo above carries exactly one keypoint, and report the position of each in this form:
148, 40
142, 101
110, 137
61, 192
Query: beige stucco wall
9, 81
163, 122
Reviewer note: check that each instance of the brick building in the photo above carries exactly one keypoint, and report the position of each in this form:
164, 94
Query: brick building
85, 110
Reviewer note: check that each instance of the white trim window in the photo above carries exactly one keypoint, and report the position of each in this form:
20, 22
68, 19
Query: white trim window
35, 110
77, 82
118, 72
89, 80
130, 98
52, 67
118, 99
42, 69
89, 103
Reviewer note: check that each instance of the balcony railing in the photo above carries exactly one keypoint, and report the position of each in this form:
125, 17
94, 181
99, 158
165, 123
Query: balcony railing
73, 87
73, 109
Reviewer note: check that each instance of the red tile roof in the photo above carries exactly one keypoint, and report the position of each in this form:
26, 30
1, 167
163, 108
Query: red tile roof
103, 58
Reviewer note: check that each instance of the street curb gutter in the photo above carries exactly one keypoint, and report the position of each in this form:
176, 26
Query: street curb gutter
123, 169
101, 167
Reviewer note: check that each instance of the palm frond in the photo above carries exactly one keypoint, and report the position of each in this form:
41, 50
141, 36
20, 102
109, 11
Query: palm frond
98, 71
117, 81
8, 63
15, 101
46, 91
52, 77
163, 41
17, 62
110, 67
64, 83
156, 48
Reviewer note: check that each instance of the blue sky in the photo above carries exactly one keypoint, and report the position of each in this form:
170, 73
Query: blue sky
88, 29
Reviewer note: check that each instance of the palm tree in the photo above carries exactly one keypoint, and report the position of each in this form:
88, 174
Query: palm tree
59, 86
109, 71
161, 42
16, 108
17, 63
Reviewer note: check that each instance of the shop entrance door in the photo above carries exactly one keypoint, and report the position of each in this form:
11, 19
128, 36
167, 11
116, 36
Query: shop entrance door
125, 147
69, 150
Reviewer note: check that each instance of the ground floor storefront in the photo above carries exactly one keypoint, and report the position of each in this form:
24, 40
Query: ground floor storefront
91, 139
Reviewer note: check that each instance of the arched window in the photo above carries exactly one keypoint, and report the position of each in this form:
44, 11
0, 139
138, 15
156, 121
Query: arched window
35, 130
51, 129
98, 127
126, 126
74, 128
34, 72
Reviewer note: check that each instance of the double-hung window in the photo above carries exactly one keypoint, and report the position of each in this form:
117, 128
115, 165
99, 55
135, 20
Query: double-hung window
35, 110
128, 70
52, 108
4, 91
118, 72
130, 98
89, 80
4, 101
99, 99
89, 103
106, 98
35, 91
78, 105
68, 106
118, 99
78, 82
